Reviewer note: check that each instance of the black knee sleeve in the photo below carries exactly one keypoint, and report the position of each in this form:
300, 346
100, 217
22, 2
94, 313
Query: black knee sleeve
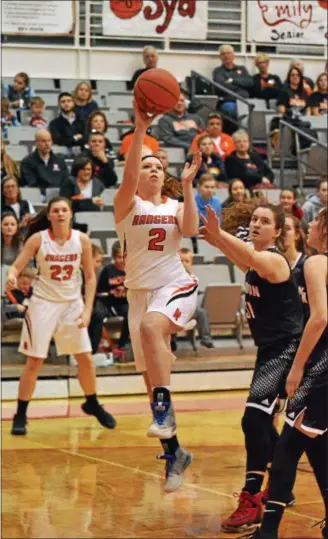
289, 449
257, 427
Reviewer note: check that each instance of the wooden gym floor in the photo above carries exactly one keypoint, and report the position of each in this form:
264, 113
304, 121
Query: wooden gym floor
71, 478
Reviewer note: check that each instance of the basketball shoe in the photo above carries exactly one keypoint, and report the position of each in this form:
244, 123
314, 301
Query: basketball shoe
19, 426
174, 468
247, 515
105, 418
163, 425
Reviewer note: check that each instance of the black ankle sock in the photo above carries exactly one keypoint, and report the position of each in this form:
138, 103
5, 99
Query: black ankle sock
92, 400
22, 408
272, 516
171, 445
253, 482
161, 394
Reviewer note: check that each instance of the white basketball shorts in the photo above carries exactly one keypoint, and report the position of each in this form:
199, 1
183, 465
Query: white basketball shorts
46, 320
177, 301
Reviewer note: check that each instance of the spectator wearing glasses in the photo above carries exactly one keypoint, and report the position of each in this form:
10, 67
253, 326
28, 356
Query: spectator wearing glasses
318, 101
68, 128
307, 82
150, 59
293, 96
83, 99
102, 162
83, 188
265, 85
223, 143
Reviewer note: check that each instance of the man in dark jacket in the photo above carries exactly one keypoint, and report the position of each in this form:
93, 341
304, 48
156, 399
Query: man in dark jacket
99, 155
42, 168
68, 129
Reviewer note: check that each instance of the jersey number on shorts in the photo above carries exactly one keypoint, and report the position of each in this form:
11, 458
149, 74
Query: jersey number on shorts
61, 273
158, 235
249, 310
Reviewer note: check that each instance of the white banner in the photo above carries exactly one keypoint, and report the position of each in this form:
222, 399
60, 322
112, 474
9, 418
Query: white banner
155, 18
287, 21
41, 17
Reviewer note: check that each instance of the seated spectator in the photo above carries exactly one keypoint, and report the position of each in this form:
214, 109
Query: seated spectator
150, 58
233, 77
246, 165
316, 202
237, 193
164, 159
8, 119
103, 164
318, 101
265, 85
83, 99
9, 167
42, 168
149, 141
211, 162
223, 143
68, 128
307, 82
200, 315
38, 118
288, 201
205, 196
11, 242
178, 127
293, 96
20, 297
97, 121
112, 294
19, 93
11, 201
83, 189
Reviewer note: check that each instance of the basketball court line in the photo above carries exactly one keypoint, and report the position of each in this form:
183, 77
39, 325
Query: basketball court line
157, 476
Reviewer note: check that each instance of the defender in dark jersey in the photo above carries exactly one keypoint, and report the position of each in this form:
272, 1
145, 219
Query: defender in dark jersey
274, 313
306, 428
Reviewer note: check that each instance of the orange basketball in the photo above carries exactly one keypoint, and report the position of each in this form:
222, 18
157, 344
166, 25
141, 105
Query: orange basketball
156, 91
125, 9
323, 4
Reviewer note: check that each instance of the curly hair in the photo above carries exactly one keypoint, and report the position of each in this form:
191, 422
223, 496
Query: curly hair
323, 223
239, 214
171, 188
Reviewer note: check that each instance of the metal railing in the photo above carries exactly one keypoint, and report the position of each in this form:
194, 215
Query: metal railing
285, 153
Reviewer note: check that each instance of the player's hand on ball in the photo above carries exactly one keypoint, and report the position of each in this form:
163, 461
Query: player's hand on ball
84, 319
142, 119
11, 282
190, 170
294, 380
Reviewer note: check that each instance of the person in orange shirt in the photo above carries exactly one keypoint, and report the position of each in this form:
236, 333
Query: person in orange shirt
148, 141
223, 143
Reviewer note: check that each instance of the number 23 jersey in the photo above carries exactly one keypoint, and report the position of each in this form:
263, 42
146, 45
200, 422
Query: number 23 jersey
59, 275
152, 238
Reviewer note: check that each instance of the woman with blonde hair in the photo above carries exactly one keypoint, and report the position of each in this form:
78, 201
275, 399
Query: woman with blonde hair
319, 99
83, 99
266, 86
9, 167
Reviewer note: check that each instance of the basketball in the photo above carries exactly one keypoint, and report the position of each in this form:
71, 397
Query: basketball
126, 9
157, 91
323, 4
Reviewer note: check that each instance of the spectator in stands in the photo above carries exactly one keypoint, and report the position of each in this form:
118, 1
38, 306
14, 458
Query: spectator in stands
99, 155
11, 242
237, 193
265, 85
178, 127
205, 196
288, 201
83, 99
9, 167
21, 295
293, 95
164, 159
19, 93
247, 165
42, 168
223, 143
111, 285
11, 201
38, 118
150, 58
83, 188
149, 141
319, 99
307, 82
97, 121
318, 201
233, 77
8, 119
211, 162
68, 128
200, 315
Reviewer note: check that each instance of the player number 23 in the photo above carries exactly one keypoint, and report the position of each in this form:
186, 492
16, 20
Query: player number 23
158, 235
61, 273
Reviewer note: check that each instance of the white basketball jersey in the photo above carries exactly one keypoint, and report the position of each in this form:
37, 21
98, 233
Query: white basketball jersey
152, 239
59, 275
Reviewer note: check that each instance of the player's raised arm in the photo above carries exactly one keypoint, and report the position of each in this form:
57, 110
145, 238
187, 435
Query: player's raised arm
28, 253
124, 199
187, 216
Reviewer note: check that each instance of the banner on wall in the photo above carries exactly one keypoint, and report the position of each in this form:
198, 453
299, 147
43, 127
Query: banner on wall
155, 18
51, 18
287, 21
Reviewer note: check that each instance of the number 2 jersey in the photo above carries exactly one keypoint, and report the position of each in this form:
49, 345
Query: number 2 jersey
274, 310
152, 238
59, 275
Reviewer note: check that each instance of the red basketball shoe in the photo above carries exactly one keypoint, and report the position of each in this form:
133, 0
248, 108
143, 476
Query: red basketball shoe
247, 515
